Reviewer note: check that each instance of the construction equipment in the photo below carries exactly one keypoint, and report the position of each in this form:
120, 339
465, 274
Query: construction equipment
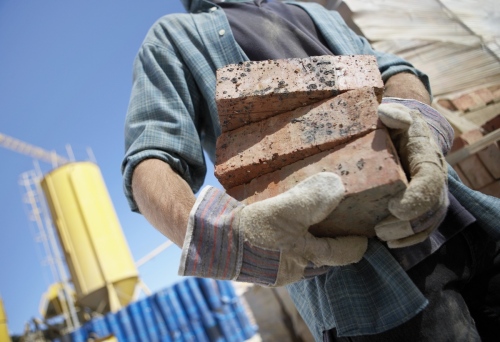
103, 274
30, 150
4, 330
95, 249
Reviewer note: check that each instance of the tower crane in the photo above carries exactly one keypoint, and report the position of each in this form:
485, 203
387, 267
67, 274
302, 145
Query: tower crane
38, 153
56, 160
107, 289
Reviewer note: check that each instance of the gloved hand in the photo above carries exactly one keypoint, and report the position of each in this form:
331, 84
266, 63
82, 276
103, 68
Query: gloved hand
267, 242
421, 208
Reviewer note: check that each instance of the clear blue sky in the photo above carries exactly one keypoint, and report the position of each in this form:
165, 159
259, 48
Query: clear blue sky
65, 78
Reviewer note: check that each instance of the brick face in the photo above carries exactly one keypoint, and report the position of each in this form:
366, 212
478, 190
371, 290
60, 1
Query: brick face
492, 125
476, 173
481, 168
495, 92
465, 139
265, 146
369, 169
492, 189
285, 120
252, 91
490, 157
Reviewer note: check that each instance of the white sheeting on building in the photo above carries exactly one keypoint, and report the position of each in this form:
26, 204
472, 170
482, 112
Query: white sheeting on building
456, 42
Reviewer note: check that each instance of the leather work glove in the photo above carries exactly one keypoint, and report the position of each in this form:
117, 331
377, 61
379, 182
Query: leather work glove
422, 207
267, 242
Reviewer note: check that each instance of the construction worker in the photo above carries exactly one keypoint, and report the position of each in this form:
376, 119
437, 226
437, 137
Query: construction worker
417, 281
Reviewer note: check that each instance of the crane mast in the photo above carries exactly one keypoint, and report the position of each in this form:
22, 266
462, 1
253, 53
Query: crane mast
30, 181
30, 150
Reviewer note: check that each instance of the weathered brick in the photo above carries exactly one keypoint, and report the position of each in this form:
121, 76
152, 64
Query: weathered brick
470, 102
463, 102
252, 91
369, 169
465, 139
492, 125
475, 171
462, 176
447, 104
265, 146
490, 156
495, 92
485, 94
492, 189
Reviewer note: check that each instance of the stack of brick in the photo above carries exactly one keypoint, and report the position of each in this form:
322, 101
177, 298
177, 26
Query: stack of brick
285, 120
481, 170
470, 109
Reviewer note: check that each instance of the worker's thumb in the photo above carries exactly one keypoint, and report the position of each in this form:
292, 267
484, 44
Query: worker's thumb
394, 116
309, 202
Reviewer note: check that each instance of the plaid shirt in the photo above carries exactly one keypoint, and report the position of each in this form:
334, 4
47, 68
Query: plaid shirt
172, 116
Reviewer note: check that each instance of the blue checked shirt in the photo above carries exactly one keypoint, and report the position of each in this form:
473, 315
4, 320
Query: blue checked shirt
172, 116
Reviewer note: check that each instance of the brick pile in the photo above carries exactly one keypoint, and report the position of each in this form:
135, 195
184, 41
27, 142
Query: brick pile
480, 171
472, 101
284, 120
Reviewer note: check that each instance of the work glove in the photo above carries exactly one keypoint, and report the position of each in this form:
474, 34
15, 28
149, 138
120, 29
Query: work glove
422, 207
267, 242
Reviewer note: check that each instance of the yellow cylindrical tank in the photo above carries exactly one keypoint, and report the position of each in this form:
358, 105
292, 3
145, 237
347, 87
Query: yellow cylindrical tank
98, 257
4, 330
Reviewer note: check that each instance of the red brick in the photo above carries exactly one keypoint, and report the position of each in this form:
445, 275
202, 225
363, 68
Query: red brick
463, 103
465, 139
490, 156
492, 125
468, 102
462, 176
252, 91
485, 94
265, 146
476, 172
447, 104
369, 169
471, 136
495, 91
492, 189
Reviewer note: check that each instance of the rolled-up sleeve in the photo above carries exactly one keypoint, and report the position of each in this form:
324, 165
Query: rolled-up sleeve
161, 121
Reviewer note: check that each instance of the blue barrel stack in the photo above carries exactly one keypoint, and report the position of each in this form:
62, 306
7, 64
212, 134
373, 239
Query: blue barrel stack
195, 309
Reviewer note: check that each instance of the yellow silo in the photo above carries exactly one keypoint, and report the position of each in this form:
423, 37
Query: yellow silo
98, 257
4, 330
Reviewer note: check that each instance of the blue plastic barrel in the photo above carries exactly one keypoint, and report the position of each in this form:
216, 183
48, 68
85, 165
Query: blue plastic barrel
210, 291
207, 317
189, 307
140, 330
114, 326
149, 320
163, 332
97, 327
126, 326
78, 335
180, 316
227, 290
164, 307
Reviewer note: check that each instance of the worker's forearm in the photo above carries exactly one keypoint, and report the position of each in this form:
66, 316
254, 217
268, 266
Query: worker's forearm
406, 86
163, 197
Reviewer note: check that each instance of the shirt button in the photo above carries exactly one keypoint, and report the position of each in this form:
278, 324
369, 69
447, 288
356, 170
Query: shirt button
222, 32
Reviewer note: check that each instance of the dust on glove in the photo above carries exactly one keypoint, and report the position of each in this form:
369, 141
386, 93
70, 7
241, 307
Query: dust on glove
421, 208
267, 242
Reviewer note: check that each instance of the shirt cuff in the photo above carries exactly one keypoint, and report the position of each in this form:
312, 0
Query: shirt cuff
440, 127
213, 246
